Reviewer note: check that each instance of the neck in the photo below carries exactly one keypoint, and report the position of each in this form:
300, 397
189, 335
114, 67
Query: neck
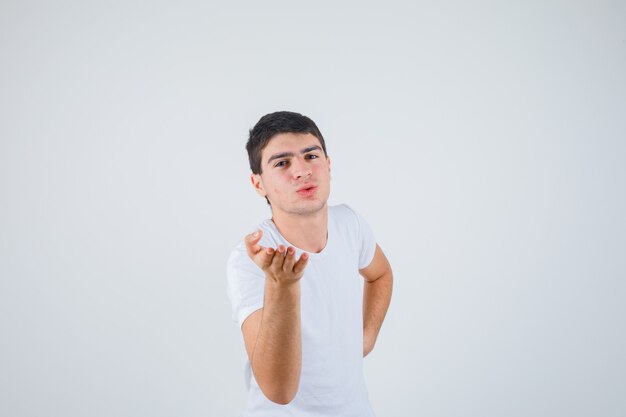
308, 232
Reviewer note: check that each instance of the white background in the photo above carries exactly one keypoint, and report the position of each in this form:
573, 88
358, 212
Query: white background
484, 142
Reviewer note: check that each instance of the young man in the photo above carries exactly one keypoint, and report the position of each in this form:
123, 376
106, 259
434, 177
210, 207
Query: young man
307, 317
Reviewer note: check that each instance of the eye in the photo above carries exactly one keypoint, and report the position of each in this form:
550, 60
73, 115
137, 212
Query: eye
313, 156
280, 164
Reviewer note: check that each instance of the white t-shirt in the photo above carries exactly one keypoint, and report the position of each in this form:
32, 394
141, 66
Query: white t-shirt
331, 381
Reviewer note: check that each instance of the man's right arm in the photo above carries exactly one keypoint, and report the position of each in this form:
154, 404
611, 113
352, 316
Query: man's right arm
274, 343
272, 334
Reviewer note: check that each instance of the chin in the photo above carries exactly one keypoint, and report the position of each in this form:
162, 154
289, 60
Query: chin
309, 207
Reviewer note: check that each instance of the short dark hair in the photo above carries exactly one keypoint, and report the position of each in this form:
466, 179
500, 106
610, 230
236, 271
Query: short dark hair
273, 124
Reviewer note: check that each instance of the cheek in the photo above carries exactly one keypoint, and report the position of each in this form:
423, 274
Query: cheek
321, 171
279, 184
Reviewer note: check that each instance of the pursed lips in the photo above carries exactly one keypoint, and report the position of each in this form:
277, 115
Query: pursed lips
307, 187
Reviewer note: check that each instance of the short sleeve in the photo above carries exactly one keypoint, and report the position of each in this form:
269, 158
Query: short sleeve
246, 284
366, 240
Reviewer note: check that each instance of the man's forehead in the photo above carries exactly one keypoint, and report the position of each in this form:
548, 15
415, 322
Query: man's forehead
291, 138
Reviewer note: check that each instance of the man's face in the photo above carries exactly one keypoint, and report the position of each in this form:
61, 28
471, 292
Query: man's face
295, 174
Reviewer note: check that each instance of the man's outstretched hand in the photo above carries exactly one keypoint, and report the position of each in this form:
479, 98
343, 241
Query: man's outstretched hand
279, 264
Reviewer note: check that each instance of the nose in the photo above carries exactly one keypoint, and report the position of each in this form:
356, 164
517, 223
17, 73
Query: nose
300, 169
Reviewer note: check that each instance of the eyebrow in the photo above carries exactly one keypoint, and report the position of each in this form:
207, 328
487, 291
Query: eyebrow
290, 154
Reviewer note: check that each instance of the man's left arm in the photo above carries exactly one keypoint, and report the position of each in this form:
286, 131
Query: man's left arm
376, 297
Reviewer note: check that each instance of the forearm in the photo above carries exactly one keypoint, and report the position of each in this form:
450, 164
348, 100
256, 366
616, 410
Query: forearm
376, 299
277, 357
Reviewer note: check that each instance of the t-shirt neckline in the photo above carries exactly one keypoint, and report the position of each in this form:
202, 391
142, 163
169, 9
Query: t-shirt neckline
312, 255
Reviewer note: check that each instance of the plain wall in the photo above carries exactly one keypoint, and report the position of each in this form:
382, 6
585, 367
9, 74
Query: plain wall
483, 141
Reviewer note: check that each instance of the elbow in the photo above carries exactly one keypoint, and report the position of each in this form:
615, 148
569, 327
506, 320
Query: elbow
282, 397
279, 384
281, 392
283, 400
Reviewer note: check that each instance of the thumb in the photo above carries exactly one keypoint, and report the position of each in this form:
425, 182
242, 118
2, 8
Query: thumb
251, 241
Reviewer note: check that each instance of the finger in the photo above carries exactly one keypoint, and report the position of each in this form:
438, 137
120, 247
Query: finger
251, 241
279, 258
301, 264
290, 259
266, 257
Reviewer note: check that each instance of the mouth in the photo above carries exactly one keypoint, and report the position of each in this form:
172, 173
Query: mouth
307, 190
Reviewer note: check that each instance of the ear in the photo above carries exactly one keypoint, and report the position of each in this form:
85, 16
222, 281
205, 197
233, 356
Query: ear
328, 159
257, 184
